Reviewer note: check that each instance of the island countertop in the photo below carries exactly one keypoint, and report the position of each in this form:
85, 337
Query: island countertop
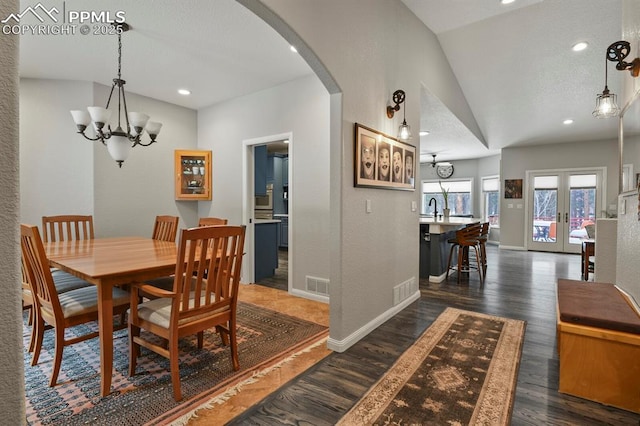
439, 226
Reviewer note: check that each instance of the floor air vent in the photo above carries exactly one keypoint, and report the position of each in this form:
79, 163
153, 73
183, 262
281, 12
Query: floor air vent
318, 285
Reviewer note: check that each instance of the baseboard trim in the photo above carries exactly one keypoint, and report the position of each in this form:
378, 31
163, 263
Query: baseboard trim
438, 278
308, 295
344, 344
503, 247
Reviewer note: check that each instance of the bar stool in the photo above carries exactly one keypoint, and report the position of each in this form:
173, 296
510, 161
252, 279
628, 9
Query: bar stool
466, 238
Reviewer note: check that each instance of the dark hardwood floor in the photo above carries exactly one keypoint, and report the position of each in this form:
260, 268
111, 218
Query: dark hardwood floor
280, 279
518, 285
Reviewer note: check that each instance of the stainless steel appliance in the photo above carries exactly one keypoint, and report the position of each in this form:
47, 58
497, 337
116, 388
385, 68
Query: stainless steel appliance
263, 214
265, 202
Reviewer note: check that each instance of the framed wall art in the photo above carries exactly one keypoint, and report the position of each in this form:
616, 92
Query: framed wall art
383, 162
513, 188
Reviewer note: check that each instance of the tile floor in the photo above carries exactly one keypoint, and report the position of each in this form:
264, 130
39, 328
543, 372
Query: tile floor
252, 393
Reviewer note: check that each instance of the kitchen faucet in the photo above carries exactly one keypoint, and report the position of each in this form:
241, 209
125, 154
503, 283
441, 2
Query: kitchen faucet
435, 206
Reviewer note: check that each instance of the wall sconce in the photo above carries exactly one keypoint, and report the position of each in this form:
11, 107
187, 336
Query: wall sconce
606, 105
404, 131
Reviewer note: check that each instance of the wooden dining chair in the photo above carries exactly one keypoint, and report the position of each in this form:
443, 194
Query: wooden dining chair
165, 228
67, 228
59, 310
212, 221
194, 304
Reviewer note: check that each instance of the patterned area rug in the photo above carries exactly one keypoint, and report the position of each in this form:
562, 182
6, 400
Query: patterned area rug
462, 371
265, 338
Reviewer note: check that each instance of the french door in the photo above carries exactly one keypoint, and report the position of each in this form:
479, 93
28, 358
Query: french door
560, 205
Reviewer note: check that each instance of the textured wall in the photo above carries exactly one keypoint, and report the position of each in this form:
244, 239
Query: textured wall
11, 365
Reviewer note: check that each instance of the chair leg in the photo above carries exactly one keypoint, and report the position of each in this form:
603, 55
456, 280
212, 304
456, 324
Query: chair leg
174, 367
460, 261
479, 264
234, 344
134, 349
57, 357
224, 334
200, 339
453, 246
39, 330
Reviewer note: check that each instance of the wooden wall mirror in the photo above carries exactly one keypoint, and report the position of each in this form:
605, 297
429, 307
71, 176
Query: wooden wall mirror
630, 145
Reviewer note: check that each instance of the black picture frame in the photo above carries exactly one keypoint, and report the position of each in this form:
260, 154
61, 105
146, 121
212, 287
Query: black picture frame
382, 161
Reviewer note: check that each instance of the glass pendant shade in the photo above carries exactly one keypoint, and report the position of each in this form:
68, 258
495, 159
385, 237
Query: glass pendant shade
153, 128
81, 118
119, 147
606, 105
99, 114
138, 119
404, 131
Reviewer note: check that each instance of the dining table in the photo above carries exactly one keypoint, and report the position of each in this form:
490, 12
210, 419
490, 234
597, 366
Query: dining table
109, 262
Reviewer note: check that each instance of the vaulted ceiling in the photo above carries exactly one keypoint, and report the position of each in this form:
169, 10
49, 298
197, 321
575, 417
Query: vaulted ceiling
513, 62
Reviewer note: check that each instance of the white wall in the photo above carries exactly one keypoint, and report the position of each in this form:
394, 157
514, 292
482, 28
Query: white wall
517, 160
475, 169
361, 47
128, 199
302, 108
67, 174
56, 173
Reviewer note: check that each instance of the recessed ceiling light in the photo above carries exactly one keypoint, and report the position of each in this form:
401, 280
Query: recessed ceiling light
506, 1
184, 92
424, 132
580, 46
293, 49
568, 121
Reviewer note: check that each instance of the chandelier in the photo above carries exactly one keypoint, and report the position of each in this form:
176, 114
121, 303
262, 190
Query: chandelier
119, 141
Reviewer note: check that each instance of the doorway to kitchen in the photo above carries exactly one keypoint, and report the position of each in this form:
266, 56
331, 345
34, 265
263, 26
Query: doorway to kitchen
266, 209
561, 205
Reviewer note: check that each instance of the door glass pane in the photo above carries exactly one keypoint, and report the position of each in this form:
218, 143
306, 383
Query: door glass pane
582, 206
545, 208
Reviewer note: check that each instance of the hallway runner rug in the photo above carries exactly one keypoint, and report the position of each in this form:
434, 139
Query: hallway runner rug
265, 338
463, 370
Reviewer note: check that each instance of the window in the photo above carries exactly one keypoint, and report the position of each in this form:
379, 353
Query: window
460, 197
491, 200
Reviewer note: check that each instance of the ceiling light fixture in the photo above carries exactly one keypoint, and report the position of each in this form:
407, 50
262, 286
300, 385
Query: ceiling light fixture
506, 1
424, 132
567, 121
184, 92
118, 142
581, 45
404, 131
616, 52
439, 163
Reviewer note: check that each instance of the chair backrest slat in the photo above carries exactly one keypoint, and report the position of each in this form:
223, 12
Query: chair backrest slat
209, 263
67, 228
37, 268
212, 221
165, 228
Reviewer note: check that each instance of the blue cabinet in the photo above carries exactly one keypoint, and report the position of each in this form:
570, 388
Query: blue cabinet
260, 172
284, 232
266, 250
285, 171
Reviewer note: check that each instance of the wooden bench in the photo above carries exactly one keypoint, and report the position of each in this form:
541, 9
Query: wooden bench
598, 334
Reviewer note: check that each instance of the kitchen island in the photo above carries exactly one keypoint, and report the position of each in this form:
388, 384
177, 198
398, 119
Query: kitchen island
434, 248
266, 248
